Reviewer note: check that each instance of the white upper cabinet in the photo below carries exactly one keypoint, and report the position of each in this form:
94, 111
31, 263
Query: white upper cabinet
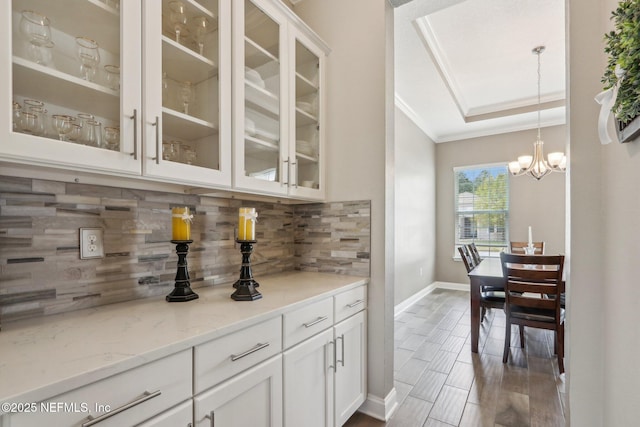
187, 91
71, 95
219, 94
277, 102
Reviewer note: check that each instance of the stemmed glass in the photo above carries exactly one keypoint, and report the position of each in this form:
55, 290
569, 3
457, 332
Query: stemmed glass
35, 27
89, 57
62, 123
186, 95
113, 76
177, 18
84, 119
201, 26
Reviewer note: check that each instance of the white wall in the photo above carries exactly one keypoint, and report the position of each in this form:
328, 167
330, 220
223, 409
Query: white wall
415, 211
357, 130
604, 294
539, 204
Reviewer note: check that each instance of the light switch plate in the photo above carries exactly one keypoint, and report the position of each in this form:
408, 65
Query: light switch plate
91, 243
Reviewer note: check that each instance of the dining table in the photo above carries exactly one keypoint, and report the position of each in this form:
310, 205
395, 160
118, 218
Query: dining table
487, 273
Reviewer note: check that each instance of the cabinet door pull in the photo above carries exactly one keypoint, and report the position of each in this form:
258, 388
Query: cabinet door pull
334, 364
257, 347
145, 396
135, 134
294, 180
315, 322
285, 165
212, 419
157, 125
353, 304
341, 338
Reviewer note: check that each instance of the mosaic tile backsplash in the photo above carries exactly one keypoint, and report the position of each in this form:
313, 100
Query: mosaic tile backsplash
41, 272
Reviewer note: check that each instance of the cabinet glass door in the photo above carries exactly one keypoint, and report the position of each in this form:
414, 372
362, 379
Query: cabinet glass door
260, 164
306, 167
74, 92
186, 99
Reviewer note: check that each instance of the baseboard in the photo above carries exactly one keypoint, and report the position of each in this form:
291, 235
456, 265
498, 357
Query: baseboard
400, 308
453, 286
378, 408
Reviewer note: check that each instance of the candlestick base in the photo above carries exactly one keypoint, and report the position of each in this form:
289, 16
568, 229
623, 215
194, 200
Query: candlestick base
246, 286
182, 291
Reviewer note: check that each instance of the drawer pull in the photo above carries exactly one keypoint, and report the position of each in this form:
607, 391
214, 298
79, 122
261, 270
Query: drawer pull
145, 396
258, 346
211, 417
341, 361
353, 304
315, 322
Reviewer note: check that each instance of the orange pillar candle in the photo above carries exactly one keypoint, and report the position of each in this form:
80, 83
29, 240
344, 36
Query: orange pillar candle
247, 224
181, 223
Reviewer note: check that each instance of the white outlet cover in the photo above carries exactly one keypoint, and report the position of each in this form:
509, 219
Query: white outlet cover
91, 243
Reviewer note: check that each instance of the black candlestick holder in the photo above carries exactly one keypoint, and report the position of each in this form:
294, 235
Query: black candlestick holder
182, 290
246, 286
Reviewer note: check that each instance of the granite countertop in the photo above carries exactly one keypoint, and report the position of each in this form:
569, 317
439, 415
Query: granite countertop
43, 357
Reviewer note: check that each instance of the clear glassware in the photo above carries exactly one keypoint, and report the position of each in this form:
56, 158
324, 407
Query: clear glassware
17, 110
177, 18
43, 119
168, 151
62, 124
112, 137
201, 26
165, 90
188, 154
187, 95
37, 31
89, 57
94, 133
47, 54
28, 122
113, 76
83, 119
75, 133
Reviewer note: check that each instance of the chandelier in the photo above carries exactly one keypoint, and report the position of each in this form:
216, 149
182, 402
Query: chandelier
536, 165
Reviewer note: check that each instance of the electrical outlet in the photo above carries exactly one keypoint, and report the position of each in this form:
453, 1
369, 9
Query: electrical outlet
91, 243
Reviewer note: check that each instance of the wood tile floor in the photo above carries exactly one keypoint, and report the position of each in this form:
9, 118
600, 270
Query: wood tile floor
440, 383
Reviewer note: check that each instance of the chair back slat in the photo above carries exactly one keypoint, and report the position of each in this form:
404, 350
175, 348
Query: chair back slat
518, 247
536, 274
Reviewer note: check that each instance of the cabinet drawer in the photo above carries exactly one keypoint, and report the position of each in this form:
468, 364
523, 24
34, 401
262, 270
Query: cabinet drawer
127, 398
350, 302
219, 359
307, 321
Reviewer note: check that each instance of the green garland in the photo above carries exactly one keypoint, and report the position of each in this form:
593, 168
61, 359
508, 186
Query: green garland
623, 48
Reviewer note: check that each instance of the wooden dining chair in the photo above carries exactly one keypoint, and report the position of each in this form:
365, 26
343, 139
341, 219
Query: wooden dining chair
474, 252
518, 247
490, 296
533, 286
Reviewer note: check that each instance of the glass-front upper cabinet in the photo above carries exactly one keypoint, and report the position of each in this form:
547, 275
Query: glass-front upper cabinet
307, 166
261, 161
71, 96
187, 91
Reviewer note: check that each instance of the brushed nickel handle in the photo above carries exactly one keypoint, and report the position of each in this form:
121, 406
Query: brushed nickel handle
285, 164
257, 347
315, 322
295, 178
145, 396
333, 366
212, 419
157, 125
353, 304
135, 134
341, 338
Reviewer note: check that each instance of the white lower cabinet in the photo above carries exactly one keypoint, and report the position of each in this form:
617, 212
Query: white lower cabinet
252, 398
325, 376
308, 382
127, 398
180, 416
351, 368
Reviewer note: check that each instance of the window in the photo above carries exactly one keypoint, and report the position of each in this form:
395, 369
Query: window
482, 208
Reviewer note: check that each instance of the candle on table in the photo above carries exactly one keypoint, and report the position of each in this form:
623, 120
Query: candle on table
530, 238
181, 223
246, 224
